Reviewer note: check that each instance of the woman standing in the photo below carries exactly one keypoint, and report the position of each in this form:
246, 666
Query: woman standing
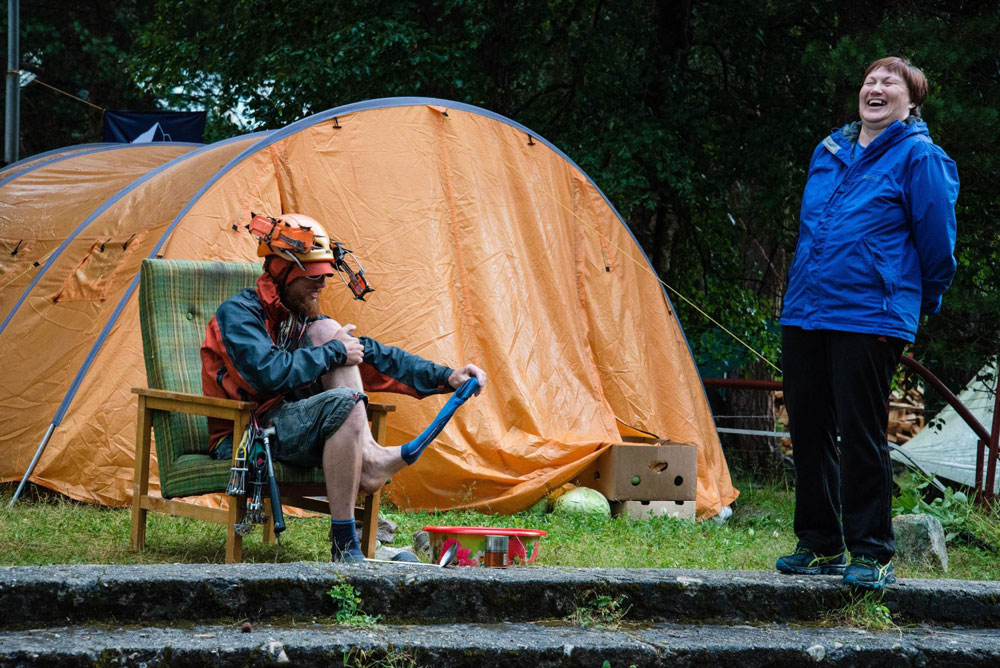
875, 252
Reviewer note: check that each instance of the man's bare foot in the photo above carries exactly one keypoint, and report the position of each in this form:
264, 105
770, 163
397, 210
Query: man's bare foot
378, 465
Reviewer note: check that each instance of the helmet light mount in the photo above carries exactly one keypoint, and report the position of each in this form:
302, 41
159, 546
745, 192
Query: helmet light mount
354, 279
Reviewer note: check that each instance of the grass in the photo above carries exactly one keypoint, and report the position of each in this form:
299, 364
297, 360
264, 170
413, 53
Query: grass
600, 611
862, 609
357, 658
46, 528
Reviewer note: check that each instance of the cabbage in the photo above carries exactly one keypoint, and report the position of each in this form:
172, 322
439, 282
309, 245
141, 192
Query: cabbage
582, 501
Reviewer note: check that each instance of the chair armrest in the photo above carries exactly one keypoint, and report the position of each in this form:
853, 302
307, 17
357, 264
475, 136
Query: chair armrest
195, 404
374, 408
199, 404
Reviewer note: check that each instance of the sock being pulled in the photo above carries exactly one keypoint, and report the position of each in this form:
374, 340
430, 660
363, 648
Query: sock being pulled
411, 451
344, 537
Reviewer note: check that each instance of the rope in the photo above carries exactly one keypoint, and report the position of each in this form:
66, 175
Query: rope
34, 265
753, 432
744, 417
59, 90
647, 268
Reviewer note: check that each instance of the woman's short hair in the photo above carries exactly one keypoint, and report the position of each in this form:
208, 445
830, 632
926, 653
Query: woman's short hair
915, 80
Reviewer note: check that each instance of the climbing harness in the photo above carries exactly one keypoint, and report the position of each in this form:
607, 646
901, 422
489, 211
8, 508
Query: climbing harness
238, 473
289, 332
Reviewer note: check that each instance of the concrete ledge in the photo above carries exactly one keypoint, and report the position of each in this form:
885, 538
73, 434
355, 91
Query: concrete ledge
500, 645
421, 594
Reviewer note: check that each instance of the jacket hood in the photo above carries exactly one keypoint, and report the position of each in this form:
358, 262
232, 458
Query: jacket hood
270, 298
911, 125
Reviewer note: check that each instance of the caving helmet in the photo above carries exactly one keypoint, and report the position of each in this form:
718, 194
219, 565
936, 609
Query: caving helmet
294, 245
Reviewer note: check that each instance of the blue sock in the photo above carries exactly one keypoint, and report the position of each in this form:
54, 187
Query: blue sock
411, 451
345, 541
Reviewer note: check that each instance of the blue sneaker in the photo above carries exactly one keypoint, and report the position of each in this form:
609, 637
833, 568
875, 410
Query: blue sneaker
867, 573
806, 562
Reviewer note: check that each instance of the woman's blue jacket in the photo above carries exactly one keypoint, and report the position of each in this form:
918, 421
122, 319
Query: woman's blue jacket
876, 235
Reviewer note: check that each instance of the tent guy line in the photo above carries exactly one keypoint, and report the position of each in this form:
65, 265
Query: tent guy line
59, 90
646, 267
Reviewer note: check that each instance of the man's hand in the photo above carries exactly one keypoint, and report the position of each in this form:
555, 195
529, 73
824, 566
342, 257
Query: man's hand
459, 376
355, 351
327, 329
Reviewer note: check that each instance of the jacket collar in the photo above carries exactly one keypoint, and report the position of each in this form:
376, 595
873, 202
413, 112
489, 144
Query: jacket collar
267, 292
840, 142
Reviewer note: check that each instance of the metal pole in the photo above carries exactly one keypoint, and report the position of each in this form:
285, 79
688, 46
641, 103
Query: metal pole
953, 401
31, 466
991, 462
981, 447
12, 116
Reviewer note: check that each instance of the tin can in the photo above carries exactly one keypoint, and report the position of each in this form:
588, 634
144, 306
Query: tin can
495, 555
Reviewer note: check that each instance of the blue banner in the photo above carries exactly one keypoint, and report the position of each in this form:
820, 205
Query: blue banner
146, 126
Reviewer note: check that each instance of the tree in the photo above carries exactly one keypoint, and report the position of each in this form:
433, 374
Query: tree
82, 49
696, 118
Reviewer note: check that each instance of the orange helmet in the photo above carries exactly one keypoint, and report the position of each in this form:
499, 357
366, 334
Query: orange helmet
291, 234
293, 239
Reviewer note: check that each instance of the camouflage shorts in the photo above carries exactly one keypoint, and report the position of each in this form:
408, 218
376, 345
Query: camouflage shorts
303, 426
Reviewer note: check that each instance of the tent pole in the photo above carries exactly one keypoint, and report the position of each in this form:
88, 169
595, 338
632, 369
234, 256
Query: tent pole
12, 107
31, 466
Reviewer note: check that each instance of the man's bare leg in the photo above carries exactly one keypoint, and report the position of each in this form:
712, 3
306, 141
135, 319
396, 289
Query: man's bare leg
342, 464
352, 445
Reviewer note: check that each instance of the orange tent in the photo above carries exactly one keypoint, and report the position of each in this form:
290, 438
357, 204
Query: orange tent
485, 244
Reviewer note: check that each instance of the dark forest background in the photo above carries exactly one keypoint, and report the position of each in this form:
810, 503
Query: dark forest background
696, 118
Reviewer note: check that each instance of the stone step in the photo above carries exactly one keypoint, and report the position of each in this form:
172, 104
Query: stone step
505, 644
59, 595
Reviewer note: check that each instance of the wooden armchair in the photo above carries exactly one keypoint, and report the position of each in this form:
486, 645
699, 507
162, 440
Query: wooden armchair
177, 298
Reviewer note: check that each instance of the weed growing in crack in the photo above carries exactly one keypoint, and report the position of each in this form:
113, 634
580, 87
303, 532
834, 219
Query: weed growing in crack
600, 611
348, 603
357, 658
865, 610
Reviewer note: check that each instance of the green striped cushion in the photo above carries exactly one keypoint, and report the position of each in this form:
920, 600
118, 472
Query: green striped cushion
177, 298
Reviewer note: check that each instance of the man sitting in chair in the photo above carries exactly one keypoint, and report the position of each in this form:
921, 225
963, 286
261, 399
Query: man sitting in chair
307, 373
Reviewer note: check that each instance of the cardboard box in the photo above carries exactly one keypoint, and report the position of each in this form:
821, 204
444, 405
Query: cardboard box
682, 510
631, 472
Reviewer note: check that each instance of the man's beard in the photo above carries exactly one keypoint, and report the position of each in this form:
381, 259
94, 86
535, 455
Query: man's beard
299, 303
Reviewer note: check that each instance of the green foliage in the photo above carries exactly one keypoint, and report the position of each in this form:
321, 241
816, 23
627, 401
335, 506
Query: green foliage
348, 604
697, 119
985, 525
46, 528
952, 509
864, 610
600, 611
83, 49
359, 658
